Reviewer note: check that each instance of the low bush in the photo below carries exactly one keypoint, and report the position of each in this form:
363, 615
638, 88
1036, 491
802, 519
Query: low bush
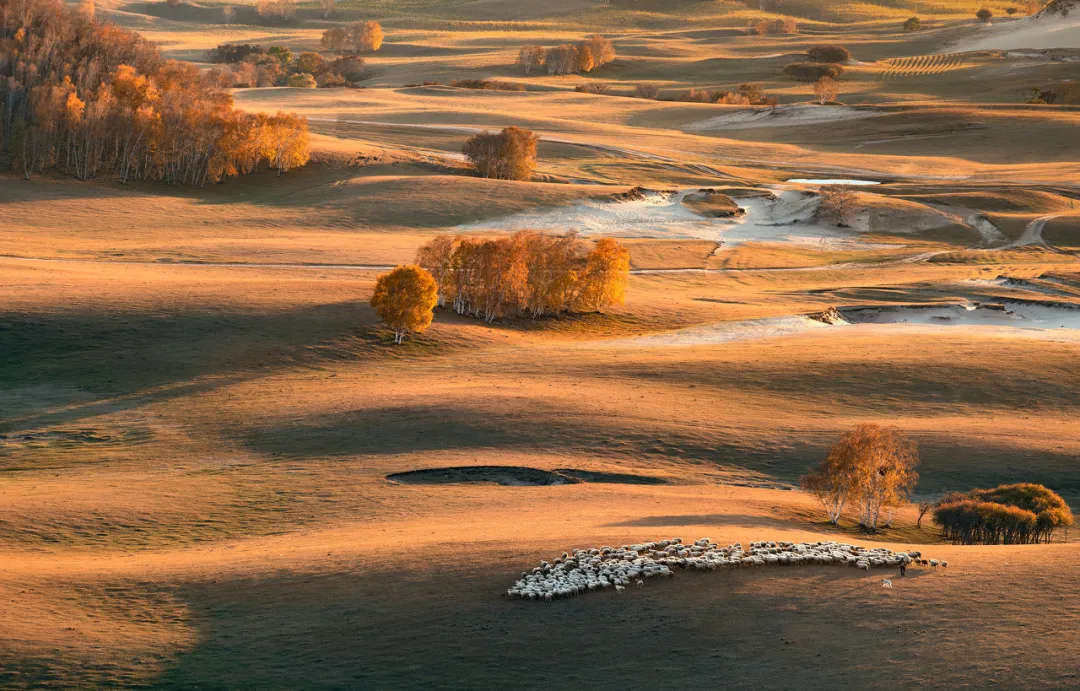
302, 80
829, 53
508, 155
913, 24
763, 27
487, 84
227, 53
984, 15
812, 71
599, 89
1021, 513
649, 91
746, 95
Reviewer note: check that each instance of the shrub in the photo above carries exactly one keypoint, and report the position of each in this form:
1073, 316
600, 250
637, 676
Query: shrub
984, 15
1011, 11
599, 89
302, 80
649, 91
828, 53
351, 67
913, 24
228, 53
756, 96
775, 26
280, 53
1021, 513
698, 96
812, 71
509, 155
312, 63
489, 85
329, 79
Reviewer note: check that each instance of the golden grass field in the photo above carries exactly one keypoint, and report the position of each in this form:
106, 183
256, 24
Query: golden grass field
199, 409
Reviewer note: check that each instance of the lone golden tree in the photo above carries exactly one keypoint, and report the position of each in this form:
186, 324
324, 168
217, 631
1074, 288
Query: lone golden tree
871, 467
508, 155
838, 204
405, 299
825, 89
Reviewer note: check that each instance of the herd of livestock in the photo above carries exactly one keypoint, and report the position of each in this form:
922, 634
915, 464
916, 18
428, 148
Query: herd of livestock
586, 570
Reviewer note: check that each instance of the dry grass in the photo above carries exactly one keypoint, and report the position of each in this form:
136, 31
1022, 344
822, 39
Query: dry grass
193, 464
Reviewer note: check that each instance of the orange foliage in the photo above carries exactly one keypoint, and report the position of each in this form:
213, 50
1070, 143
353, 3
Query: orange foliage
509, 155
404, 299
871, 467
91, 99
527, 273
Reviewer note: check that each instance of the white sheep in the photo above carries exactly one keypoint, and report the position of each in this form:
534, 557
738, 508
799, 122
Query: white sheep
587, 570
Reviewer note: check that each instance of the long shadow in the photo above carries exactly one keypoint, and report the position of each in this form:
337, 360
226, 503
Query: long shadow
437, 626
947, 463
456, 425
131, 357
711, 519
875, 384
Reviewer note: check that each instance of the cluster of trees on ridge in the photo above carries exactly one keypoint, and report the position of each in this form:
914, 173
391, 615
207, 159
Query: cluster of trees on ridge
1017, 514
873, 468
250, 65
88, 99
568, 58
526, 274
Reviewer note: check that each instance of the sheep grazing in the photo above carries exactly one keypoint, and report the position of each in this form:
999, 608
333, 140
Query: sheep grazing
589, 570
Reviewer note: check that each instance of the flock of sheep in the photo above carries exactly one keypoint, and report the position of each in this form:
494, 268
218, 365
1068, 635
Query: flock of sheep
595, 569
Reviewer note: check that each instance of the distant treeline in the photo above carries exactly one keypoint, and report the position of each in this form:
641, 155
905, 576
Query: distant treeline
250, 65
526, 274
1017, 514
90, 99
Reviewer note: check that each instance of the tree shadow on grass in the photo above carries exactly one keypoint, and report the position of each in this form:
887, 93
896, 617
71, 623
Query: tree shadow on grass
142, 356
433, 624
461, 425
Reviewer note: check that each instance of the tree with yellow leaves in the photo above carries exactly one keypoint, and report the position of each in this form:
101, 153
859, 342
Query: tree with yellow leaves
870, 467
526, 273
607, 272
404, 299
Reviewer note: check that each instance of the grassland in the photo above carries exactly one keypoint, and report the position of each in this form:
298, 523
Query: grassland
199, 410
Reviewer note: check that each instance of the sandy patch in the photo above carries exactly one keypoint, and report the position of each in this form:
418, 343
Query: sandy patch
1041, 33
779, 116
1013, 315
788, 217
